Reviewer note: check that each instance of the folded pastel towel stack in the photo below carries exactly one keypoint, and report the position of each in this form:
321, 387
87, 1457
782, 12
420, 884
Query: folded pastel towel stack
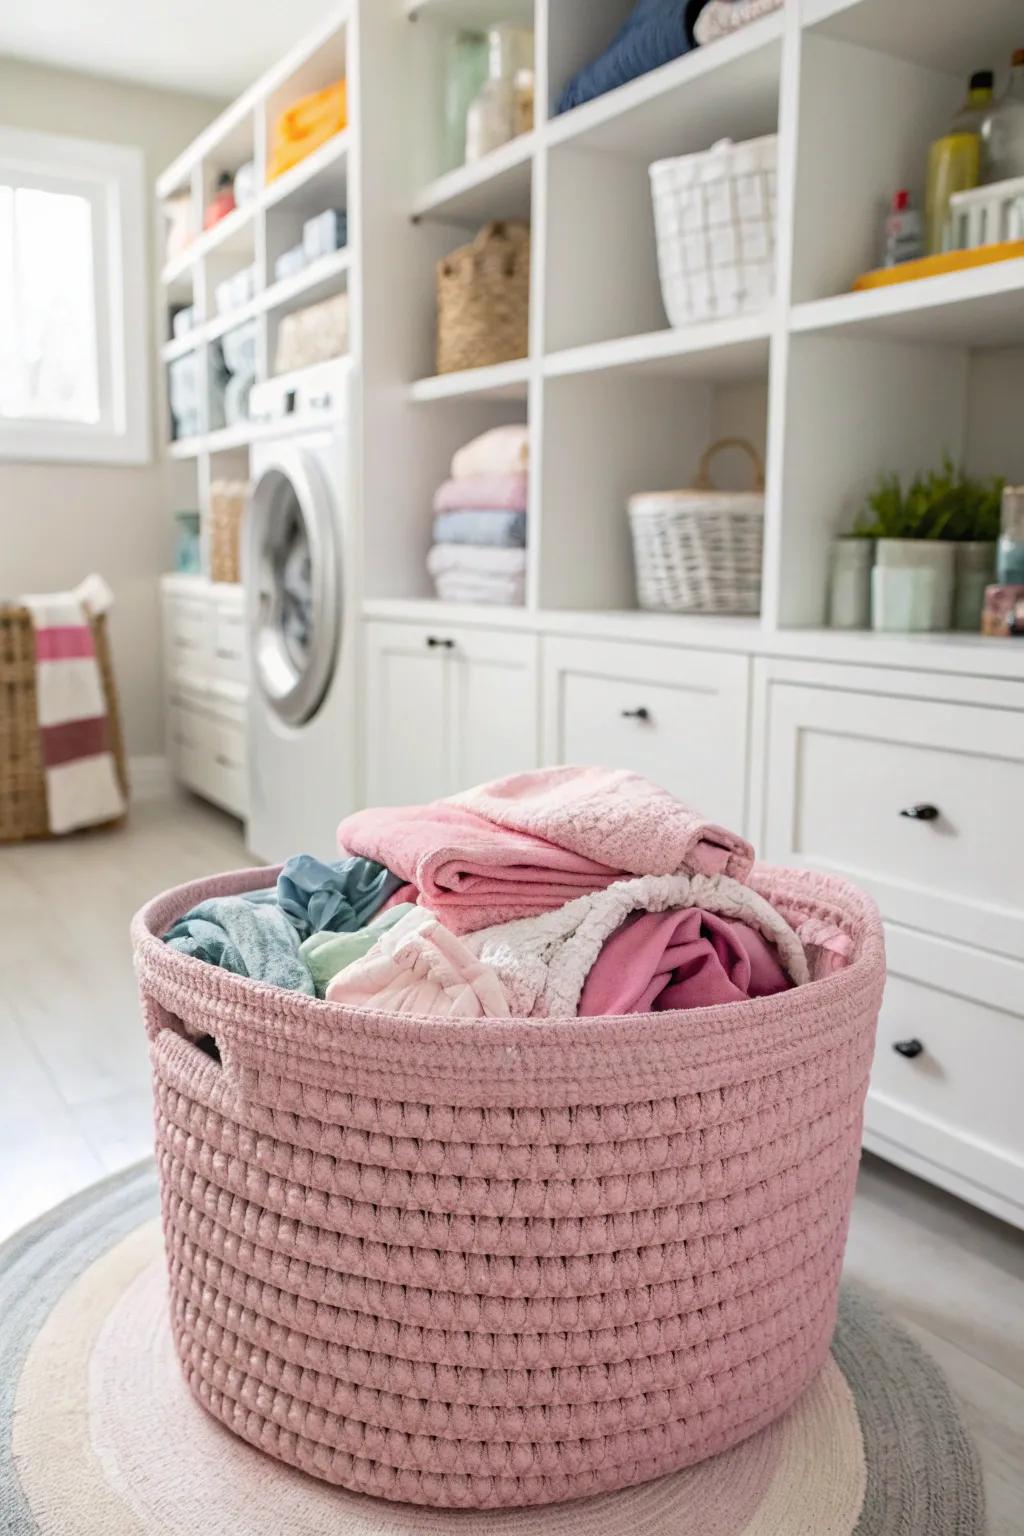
479, 549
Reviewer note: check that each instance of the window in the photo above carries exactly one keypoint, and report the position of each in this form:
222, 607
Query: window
73, 316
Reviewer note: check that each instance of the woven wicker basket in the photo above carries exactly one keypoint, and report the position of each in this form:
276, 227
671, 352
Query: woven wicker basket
227, 507
699, 550
483, 299
23, 811
714, 214
506, 1261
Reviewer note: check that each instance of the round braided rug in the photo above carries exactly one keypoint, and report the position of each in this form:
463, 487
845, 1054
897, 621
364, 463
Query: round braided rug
100, 1437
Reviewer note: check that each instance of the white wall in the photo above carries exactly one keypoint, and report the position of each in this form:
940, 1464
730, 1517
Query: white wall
60, 521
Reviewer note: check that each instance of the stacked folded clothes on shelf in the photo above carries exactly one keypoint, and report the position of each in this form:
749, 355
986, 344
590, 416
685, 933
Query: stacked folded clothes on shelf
478, 553
566, 892
654, 33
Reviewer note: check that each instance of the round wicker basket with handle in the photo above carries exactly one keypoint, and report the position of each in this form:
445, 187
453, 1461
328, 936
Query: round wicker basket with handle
699, 550
483, 299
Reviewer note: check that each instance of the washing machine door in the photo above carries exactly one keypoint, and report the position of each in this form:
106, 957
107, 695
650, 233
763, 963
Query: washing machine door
293, 578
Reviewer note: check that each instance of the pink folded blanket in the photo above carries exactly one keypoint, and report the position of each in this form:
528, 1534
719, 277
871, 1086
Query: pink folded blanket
502, 493
615, 817
531, 842
467, 870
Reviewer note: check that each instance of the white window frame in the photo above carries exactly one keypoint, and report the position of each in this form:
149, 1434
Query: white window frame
112, 178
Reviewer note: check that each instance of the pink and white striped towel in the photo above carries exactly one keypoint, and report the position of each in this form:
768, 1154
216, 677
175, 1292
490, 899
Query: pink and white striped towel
82, 787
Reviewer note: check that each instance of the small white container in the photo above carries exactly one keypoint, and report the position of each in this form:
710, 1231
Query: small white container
324, 233
289, 262
849, 595
714, 214
912, 585
234, 291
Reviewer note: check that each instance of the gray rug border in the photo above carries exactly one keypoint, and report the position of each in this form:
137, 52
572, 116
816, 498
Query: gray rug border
902, 1439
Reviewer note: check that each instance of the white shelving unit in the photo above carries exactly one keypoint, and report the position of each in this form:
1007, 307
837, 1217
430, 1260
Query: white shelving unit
256, 233
616, 400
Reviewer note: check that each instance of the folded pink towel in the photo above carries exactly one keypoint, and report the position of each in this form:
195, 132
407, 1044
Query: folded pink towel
618, 818
532, 842
478, 493
469, 871
687, 959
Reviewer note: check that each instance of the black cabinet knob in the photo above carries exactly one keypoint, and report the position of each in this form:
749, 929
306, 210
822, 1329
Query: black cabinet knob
921, 813
433, 641
636, 714
908, 1048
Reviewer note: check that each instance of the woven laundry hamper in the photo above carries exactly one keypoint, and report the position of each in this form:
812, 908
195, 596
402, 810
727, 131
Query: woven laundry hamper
504, 1262
23, 807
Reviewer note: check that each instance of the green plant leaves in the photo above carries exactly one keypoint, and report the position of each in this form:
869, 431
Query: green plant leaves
945, 504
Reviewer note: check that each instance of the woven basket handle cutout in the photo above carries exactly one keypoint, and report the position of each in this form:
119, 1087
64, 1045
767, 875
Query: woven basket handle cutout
703, 481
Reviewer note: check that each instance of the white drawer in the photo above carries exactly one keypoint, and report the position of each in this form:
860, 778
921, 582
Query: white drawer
955, 1103
189, 635
230, 656
844, 767
678, 716
209, 754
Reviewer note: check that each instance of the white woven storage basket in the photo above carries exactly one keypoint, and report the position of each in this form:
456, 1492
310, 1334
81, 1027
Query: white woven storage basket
699, 550
714, 215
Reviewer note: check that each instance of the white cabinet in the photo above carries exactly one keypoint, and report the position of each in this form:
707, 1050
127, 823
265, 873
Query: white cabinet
446, 708
205, 663
678, 716
842, 754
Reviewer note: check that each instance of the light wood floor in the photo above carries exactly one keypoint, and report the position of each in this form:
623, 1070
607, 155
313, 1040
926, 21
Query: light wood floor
74, 1104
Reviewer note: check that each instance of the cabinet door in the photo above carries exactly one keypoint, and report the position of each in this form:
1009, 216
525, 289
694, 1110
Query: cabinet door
678, 716
407, 715
493, 681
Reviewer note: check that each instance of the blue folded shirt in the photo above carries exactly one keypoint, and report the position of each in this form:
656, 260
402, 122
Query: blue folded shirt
654, 33
507, 530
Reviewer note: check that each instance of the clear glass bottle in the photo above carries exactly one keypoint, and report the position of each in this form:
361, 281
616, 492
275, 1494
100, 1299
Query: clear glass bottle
1002, 131
465, 73
492, 117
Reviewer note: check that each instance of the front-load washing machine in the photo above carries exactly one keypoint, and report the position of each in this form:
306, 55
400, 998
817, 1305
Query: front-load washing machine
300, 621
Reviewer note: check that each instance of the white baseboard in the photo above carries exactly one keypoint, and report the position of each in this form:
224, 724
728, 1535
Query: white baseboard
149, 778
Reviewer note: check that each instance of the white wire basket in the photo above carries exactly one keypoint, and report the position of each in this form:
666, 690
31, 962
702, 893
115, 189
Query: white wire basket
699, 550
714, 215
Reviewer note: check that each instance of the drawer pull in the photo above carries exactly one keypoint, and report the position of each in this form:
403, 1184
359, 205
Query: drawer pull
908, 1048
643, 713
224, 762
921, 813
223, 654
433, 641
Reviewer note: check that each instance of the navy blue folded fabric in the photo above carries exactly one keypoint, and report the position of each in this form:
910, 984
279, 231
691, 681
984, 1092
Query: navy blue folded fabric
654, 33
504, 529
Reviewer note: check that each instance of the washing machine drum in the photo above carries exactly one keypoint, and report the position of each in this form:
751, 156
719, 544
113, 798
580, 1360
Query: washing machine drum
293, 578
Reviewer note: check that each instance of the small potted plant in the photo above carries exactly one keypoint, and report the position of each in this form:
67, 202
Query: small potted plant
941, 526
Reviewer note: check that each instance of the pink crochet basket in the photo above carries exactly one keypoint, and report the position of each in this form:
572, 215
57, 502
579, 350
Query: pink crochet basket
504, 1262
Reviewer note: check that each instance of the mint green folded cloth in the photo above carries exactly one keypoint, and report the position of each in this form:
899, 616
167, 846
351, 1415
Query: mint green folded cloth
327, 953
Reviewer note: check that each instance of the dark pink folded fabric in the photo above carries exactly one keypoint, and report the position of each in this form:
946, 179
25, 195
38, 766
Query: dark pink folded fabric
684, 959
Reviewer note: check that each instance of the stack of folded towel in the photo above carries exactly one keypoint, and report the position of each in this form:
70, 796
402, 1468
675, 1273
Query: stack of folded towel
479, 550
568, 892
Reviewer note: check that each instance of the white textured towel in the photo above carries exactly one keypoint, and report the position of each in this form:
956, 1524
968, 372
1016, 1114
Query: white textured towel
501, 451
